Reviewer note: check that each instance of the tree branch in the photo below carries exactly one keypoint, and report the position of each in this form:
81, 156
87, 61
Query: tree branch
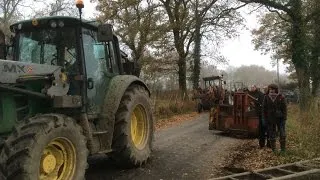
270, 3
278, 13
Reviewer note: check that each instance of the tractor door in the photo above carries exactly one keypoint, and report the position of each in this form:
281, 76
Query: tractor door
101, 66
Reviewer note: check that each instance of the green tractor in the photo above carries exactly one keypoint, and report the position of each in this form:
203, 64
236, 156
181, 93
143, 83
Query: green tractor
67, 93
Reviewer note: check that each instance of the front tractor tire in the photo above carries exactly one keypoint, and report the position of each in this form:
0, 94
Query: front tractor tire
133, 133
46, 147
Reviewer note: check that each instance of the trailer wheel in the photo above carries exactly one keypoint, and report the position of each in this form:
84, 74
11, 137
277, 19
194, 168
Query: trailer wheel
133, 133
45, 147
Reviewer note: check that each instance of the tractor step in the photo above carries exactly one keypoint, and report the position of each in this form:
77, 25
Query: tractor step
309, 169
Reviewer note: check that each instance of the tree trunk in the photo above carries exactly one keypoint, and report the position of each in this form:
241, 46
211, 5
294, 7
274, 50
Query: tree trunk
299, 54
304, 88
315, 53
182, 73
197, 50
137, 58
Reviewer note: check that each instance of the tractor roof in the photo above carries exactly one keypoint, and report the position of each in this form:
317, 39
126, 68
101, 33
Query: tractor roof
44, 22
211, 78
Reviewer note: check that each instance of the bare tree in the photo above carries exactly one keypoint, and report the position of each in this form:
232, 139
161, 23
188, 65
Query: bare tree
294, 12
9, 11
55, 8
181, 25
138, 23
212, 17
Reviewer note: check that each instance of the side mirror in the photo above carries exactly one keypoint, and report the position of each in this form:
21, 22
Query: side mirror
105, 33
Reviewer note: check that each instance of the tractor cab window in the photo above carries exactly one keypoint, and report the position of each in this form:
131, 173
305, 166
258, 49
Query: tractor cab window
98, 55
48, 46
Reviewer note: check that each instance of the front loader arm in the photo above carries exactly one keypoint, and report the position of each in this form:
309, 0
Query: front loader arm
13, 72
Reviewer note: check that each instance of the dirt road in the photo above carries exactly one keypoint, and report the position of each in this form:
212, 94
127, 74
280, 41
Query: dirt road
185, 151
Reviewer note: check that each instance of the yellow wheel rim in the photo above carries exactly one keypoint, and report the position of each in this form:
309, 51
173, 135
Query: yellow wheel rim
139, 128
58, 160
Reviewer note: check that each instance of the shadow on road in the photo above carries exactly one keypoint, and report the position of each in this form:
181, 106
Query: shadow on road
234, 135
103, 168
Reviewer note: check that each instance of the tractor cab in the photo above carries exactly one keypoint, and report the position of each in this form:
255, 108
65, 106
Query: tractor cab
86, 53
59, 62
213, 93
213, 82
215, 85
68, 42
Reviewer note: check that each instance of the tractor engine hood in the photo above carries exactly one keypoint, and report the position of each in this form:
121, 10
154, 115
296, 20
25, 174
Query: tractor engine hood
13, 72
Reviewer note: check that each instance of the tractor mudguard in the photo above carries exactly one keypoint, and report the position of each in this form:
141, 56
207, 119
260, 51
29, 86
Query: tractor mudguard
118, 85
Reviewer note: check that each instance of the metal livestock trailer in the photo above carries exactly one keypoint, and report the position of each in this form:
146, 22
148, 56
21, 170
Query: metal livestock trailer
240, 117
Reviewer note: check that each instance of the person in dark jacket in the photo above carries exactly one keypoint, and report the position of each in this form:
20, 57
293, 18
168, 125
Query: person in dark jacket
258, 107
275, 113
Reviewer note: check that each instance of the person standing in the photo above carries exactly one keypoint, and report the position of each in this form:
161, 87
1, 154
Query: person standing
258, 107
275, 113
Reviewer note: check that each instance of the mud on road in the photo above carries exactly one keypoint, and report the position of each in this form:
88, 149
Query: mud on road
185, 151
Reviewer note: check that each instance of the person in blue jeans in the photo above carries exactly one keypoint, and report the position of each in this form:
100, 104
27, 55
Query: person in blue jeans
275, 114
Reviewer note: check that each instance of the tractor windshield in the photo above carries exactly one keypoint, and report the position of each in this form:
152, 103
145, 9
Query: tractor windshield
48, 46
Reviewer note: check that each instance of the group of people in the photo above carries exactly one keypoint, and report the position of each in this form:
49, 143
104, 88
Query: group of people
271, 109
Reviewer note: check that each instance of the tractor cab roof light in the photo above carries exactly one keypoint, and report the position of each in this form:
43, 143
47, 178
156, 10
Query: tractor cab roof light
53, 24
61, 23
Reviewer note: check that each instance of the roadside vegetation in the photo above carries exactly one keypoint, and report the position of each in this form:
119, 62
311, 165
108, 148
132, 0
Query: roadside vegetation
169, 109
168, 103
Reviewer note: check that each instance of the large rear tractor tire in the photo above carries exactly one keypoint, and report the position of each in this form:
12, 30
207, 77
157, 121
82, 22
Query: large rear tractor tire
45, 147
134, 129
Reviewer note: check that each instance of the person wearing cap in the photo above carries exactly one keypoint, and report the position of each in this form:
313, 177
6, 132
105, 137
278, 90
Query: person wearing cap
258, 107
275, 113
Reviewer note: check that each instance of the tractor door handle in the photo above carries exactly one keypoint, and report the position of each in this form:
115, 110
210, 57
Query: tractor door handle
90, 83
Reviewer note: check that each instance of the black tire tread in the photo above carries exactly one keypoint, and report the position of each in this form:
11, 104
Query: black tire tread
123, 152
17, 146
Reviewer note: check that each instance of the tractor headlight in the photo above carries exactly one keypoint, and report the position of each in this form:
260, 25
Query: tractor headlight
61, 23
53, 24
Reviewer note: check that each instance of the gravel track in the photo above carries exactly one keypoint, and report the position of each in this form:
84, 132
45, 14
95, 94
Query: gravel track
185, 151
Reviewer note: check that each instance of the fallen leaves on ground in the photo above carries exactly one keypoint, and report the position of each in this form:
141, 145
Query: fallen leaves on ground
174, 120
249, 156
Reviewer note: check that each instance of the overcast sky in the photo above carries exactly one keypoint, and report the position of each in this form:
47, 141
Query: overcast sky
240, 51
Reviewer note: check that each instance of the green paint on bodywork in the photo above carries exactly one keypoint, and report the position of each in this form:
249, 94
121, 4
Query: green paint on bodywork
9, 106
8, 114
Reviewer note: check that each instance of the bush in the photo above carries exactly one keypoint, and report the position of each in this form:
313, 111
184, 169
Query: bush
168, 104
